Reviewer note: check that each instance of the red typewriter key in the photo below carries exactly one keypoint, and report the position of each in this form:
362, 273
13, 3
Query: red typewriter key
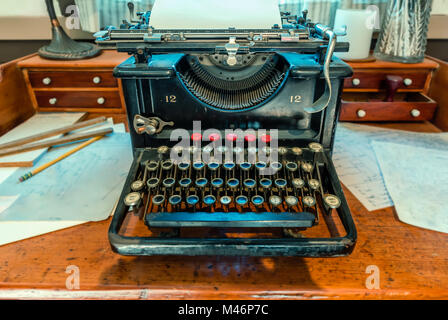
231, 137
266, 138
214, 137
250, 138
196, 136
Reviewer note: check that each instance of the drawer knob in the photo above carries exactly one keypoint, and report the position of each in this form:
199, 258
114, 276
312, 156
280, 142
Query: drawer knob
415, 113
356, 82
101, 100
46, 81
53, 101
97, 80
407, 82
361, 113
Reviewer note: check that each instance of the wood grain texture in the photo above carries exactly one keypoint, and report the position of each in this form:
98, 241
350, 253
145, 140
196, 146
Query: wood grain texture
15, 105
375, 79
73, 79
439, 92
412, 263
78, 99
379, 64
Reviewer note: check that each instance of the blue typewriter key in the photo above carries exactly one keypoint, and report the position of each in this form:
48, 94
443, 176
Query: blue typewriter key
266, 183
185, 182
225, 200
291, 201
276, 165
228, 165
167, 165
192, 200
280, 183
168, 182
213, 166
257, 200
183, 166
152, 183
209, 200
217, 182
250, 183
175, 200
198, 165
201, 182
158, 199
260, 165
245, 166
241, 200
233, 183
291, 166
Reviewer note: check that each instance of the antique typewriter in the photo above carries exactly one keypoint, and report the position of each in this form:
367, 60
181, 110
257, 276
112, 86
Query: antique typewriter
232, 133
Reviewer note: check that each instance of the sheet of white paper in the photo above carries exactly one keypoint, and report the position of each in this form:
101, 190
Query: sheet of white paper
215, 14
417, 181
356, 163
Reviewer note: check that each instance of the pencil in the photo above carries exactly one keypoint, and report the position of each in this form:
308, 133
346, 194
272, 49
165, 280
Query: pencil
49, 164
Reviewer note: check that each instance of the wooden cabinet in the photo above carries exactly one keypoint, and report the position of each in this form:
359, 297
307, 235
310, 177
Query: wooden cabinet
365, 94
76, 86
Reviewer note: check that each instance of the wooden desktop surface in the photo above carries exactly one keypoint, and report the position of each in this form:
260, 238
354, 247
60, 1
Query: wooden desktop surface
412, 262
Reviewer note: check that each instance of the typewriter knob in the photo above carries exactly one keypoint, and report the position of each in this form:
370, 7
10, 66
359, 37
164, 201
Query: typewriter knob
361, 113
150, 126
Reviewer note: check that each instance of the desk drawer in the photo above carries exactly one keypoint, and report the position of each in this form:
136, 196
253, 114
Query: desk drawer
78, 99
72, 79
371, 80
371, 107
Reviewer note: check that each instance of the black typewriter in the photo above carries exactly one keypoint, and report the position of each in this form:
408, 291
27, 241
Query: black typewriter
232, 133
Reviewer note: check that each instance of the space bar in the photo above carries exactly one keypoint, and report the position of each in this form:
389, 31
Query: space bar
230, 219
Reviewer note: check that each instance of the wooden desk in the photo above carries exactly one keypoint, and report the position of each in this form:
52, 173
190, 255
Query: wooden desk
413, 263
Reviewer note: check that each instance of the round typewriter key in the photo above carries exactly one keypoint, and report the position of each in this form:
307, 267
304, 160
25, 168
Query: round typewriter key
252, 150
152, 166
314, 184
315, 147
185, 182
213, 166
241, 200
291, 201
207, 149
221, 149
266, 138
198, 165
266, 150
214, 137
238, 150
169, 182
163, 150
257, 200
332, 201
217, 182
167, 165
209, 200
196, 136
297, 151
175, 200
291, 166
158, 199
132, 199
194, 149
250, 183
233, 183
282, 151
298, 183
231, 137
228, 165
178, 149
308, 201
137, 185
192, 200
276, 166
260, 165
152, 183
275, 201
183, 166
201, 182
225, 200
307, 167
266, 183
245, 166
250, 138
280, 183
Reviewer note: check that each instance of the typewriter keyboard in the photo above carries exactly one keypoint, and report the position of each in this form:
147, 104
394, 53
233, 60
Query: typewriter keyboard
230, 194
